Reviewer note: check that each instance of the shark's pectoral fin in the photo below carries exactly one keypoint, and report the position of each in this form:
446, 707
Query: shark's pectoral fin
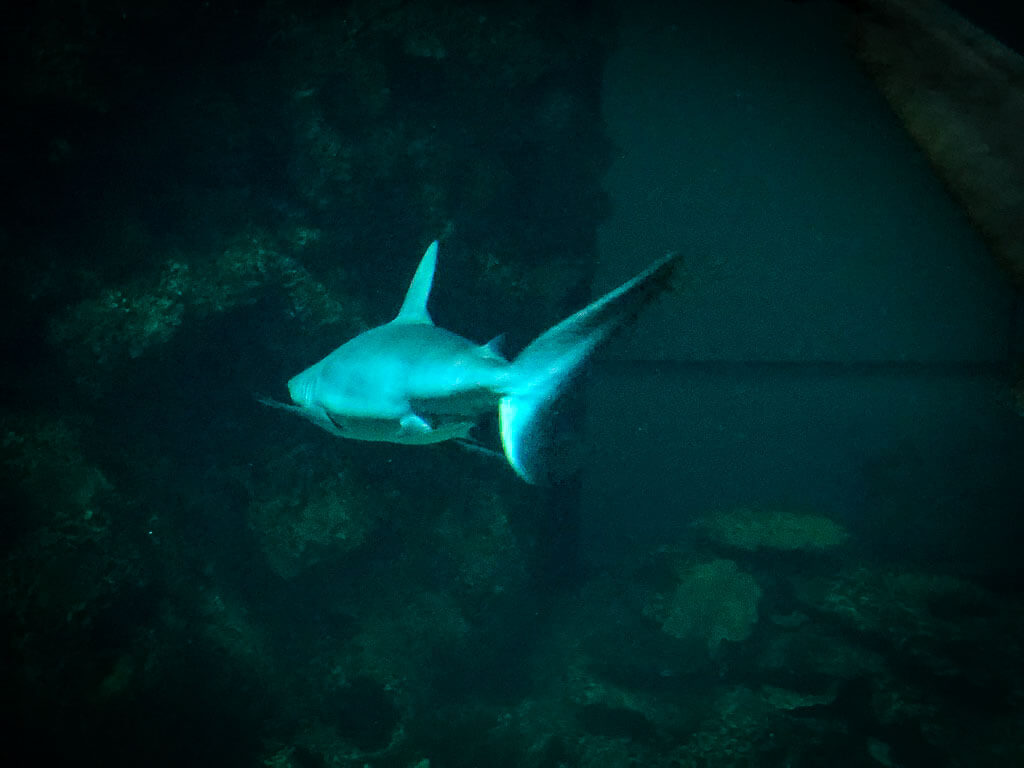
416, 430
278, 404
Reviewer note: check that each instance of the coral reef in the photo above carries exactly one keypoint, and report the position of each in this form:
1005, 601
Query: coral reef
714, 601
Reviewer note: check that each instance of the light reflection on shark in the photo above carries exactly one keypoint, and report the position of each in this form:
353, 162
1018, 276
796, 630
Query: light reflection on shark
409, 381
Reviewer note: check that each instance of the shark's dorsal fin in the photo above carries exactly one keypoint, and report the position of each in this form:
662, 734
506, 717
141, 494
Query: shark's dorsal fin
414, 308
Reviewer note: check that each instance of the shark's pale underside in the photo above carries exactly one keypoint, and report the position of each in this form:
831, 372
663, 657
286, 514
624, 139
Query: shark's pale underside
409, 381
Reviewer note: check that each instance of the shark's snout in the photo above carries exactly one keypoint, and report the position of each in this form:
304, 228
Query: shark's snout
300, 389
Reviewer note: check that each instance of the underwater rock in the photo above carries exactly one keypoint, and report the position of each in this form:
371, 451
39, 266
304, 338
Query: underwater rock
887, 601
468, 34
397, 642
751, 529
896, 639
960, 94
229, 626
931, 621
819, 652
351, 732
301, 527
714, 601
71, 569
787, 700
621, 700
43, 457
737, 723
475, 534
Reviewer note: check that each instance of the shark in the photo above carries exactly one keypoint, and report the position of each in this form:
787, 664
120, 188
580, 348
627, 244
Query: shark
410, 381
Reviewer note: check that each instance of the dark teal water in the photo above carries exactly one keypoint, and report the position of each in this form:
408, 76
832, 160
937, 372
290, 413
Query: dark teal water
793, 535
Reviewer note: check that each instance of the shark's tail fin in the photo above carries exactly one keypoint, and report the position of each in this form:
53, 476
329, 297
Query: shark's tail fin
542, 370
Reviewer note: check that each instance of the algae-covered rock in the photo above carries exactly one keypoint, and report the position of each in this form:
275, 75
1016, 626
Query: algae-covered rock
70, 562
752, 529
927, 617
714, 601
228, 625
399, 637
786, 699
475, 535
120, 322
892, 602
737, 722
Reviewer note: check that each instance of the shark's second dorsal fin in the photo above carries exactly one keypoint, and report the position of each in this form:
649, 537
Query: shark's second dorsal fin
414, 308
492, 349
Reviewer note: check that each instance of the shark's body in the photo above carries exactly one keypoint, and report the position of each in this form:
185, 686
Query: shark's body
409, 381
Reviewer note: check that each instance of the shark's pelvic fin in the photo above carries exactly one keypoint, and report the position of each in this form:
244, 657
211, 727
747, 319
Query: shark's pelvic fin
414, 308
544, 368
